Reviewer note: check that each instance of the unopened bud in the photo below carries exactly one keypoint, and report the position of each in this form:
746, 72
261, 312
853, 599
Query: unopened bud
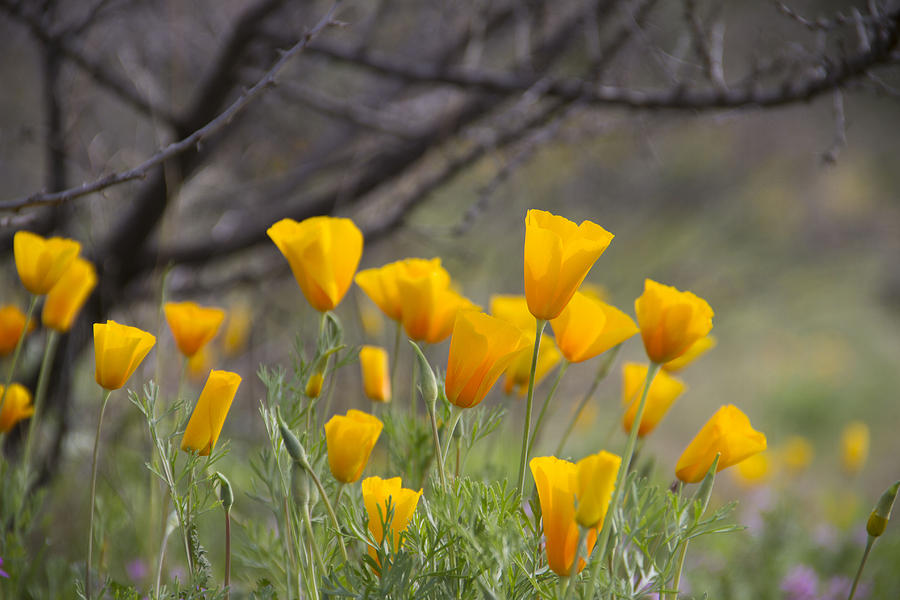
706, 486
292, 444
881, 514
226, 494
314, 385
427, 381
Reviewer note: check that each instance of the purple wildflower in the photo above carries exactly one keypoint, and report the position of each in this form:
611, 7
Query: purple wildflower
800, 583
136, 569
2, 572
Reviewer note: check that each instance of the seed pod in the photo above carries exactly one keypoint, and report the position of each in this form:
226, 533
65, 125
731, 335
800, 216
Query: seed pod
226, 494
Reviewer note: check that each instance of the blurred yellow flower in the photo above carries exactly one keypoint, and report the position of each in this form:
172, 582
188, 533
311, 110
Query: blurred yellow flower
755, 470
323, 253
237, 329
12, 322
670, 320
596, 480
203, 429
514, 309
377, 493
350, 440
729, 433
594, 291
371, 320
429, 305
16, 406
797, 453
66, 298
200, 364
192, 325
664, 390
587, 327
854, 446
481, 348
41, 262
376, 376
694, 351
118, 350
559, 483
558, 255
381, 286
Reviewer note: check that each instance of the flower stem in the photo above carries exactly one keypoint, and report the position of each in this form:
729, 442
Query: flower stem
862, 565
413, 390
677, 580
620, 480
46, 364
162, 556
227, 554
90, 551
17, 351
329, 508
396, 356
437, 446
602, 372
455, 414
540, 419
526, 436
573, 573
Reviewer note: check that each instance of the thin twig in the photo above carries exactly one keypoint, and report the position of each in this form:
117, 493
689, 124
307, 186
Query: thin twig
221, 121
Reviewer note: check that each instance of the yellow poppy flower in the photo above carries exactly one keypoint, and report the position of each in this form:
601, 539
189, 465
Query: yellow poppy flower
314, 385
560, 486
118, 350
481, 348
558, 256
670, 320
664, 390
854, 446
323, 253
727, 432
429, 305
694, 351
381, 286
755, 470
12, 322
200, 364
203, 429
66, 298
587, 328
16, 406
42, 261
192, 325
350, 440
376, 376
376, 493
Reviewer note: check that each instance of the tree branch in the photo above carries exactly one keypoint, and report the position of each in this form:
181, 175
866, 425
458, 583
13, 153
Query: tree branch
175, 148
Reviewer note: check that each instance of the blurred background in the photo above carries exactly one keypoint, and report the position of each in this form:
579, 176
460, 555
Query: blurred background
746, 151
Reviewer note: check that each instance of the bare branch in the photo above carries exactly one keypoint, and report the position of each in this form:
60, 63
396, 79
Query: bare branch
222, 120
830, 156
825, 78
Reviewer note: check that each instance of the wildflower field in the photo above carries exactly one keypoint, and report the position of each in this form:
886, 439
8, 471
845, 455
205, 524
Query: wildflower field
520, 320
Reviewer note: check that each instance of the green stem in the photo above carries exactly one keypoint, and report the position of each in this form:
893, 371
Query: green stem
437, 446
602, 372
620, 480
17, 351
46, 365
227, 554
455, 414
413, 390
90, 551
162, 556
676, 582
573, 572
862, 565
329, 508
526, 435
396, 356
317, 554
540, 419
